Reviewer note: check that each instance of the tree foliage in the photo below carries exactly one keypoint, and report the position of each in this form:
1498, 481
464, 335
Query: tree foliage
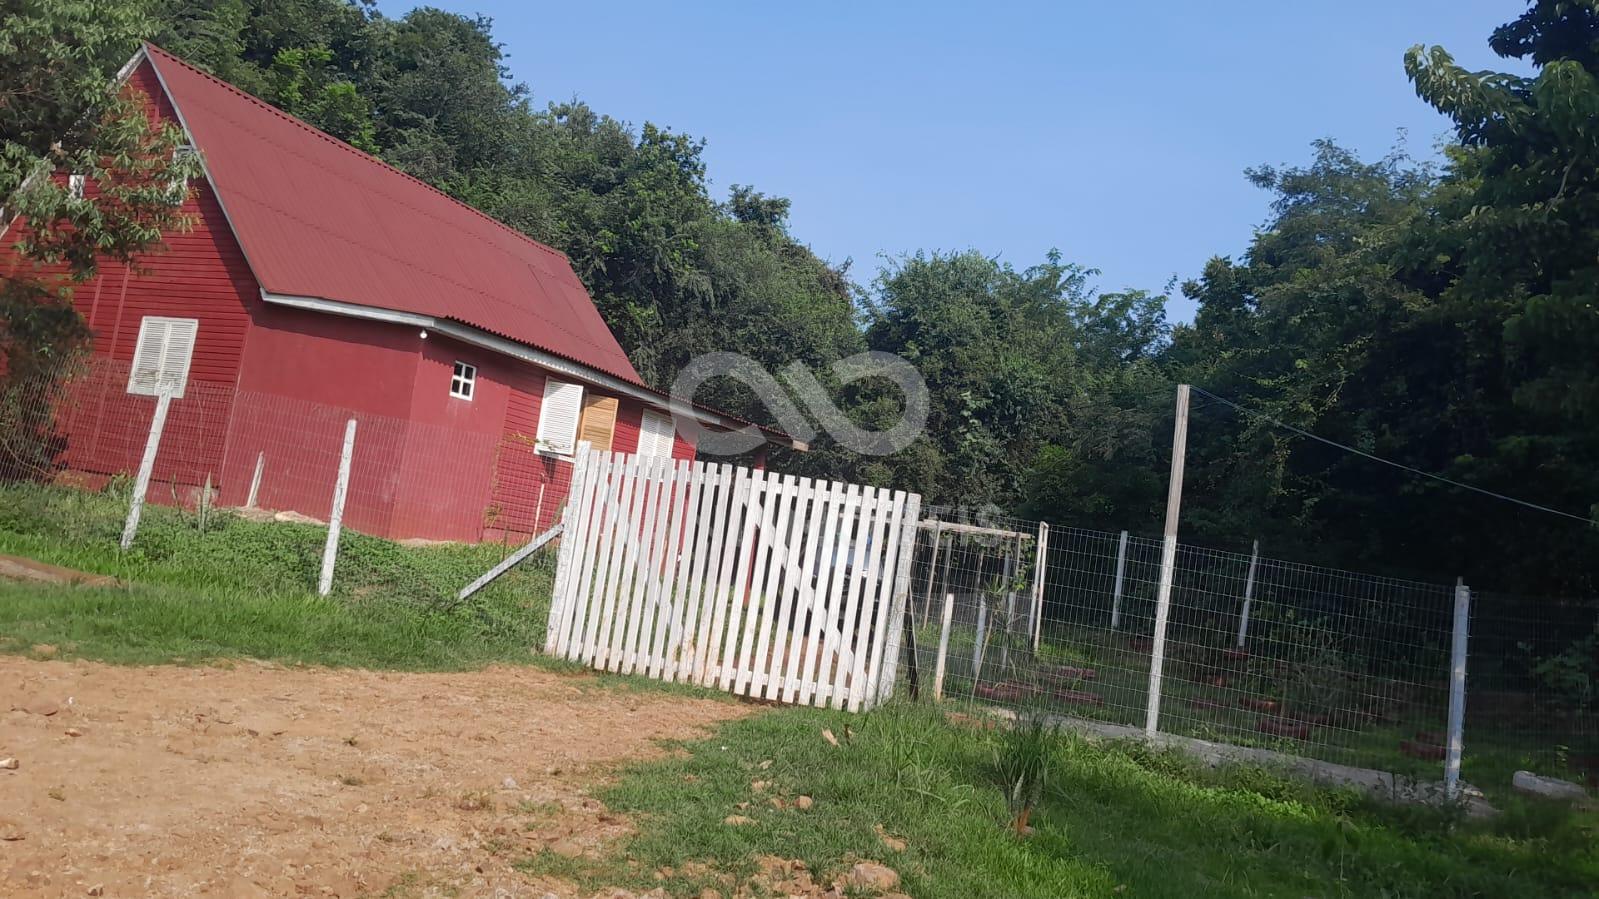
61, 111
1438, 314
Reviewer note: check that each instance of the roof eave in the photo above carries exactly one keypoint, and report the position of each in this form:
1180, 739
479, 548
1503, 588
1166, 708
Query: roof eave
543, 358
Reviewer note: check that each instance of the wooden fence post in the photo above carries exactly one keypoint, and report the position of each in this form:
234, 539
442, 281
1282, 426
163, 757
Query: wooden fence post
943, 647
932, 569
1457, 690
341, 489
1249, 594
141, 484
1116, 595
1168, 560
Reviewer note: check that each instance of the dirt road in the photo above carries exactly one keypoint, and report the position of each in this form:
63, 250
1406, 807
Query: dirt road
257, 780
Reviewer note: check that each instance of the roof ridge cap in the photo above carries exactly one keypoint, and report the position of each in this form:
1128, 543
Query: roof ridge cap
347, 147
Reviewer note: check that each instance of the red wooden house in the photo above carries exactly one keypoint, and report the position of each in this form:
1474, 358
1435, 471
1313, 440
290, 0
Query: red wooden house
319, 284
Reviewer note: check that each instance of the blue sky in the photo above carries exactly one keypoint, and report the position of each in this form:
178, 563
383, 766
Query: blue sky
1116, 132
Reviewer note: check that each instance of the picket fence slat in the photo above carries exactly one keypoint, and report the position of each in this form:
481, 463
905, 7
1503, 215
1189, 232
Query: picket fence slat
816, 639
792, 621
684, 606
863, 623
582, 507
669, 614
769, 599
707, 569
721, 599
622, 544
899, 604
784, 588
859, 540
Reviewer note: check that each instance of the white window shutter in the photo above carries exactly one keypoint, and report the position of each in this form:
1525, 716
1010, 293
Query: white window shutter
558, 417
162, 355
655, 435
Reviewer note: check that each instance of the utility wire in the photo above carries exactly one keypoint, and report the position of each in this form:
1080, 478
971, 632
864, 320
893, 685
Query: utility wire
1399, 465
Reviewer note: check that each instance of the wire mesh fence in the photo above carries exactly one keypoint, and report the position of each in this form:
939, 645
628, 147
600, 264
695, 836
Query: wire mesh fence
1315, 662
266, 456
1532, 698
1312, 662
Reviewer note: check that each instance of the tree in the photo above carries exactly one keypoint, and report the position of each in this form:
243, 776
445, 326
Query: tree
62, 111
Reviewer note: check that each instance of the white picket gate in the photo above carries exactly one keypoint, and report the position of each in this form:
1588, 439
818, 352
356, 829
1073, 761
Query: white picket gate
764, 585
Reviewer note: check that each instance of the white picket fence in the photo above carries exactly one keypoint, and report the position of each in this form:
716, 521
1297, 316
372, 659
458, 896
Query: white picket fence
765, 585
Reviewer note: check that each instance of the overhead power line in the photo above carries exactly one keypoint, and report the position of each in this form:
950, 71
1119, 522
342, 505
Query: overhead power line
1399, 465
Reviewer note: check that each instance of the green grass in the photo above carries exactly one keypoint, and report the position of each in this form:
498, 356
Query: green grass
1114, 820
247, 589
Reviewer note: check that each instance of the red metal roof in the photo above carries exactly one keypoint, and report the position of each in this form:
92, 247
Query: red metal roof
318, 218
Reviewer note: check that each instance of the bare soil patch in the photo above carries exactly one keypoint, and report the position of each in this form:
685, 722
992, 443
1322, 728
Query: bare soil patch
16, 568
258, 780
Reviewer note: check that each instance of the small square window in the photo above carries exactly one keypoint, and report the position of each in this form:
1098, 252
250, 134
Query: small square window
463, 381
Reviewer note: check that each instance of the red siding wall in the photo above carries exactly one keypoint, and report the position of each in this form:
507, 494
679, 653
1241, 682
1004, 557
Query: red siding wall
304, 375
200, 274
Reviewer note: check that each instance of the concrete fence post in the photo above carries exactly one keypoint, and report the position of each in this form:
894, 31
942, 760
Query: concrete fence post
982, 633
141, 484
1168, 560
1457, 690
341, 489
1040, 571
1249, 594
255, 480
1116, 594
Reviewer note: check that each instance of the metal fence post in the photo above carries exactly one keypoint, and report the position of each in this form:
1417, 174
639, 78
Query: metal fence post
341, 489
943, 647
1116, 596
141, 485
1168, 559
1457, 691
1249, 594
